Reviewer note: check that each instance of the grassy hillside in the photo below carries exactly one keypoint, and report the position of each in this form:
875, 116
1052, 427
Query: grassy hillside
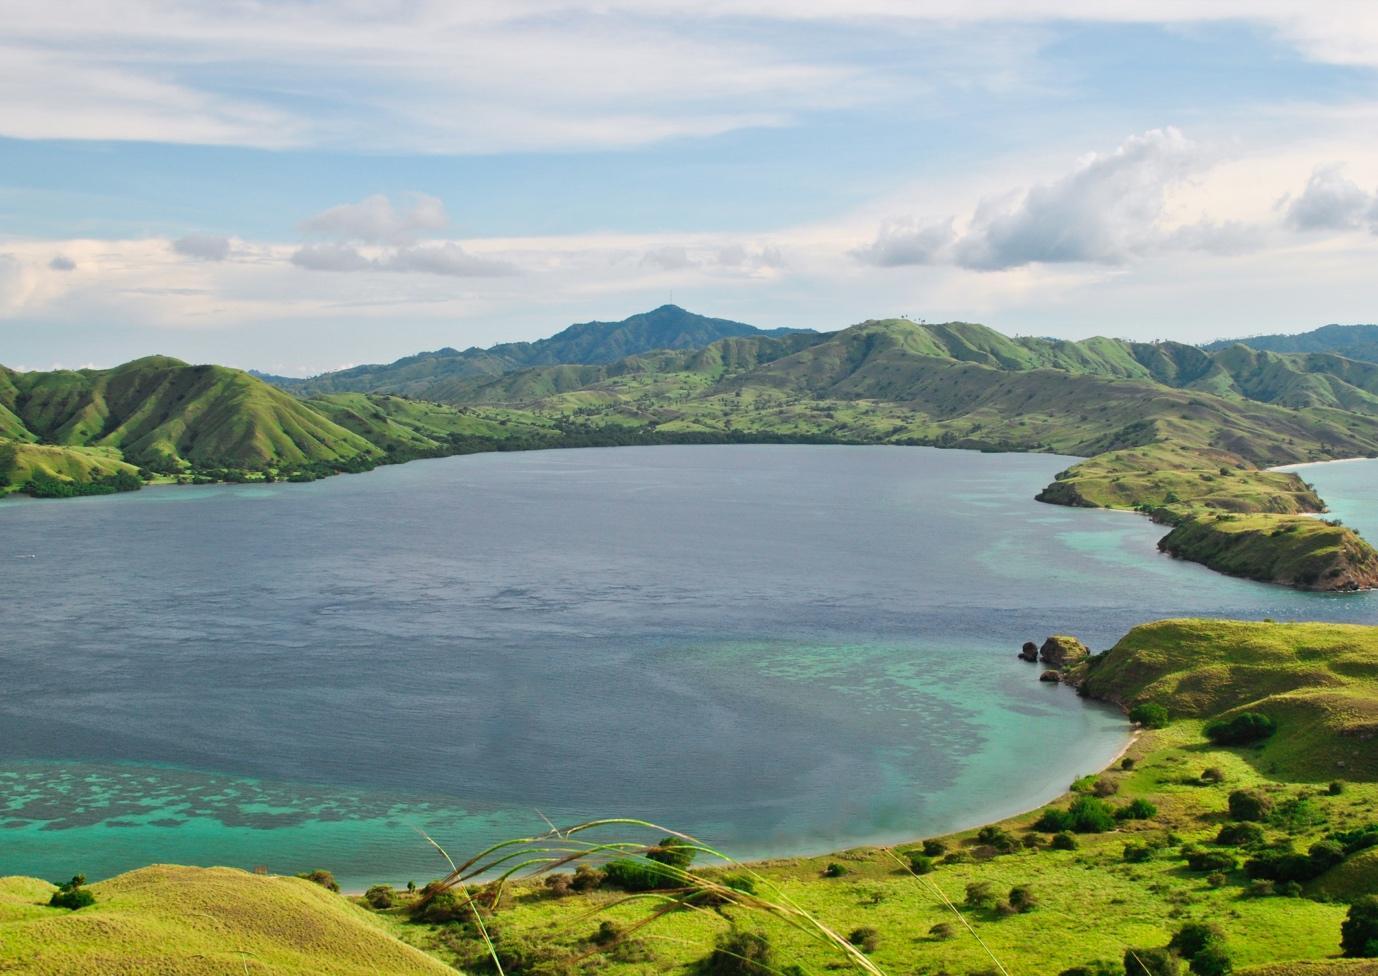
182, 921
427, 374
1350, 341
1319, 682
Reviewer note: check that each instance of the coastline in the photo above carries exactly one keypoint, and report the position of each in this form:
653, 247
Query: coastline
1315, 464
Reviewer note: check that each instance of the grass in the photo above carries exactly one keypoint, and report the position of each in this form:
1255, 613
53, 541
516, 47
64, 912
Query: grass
182, 921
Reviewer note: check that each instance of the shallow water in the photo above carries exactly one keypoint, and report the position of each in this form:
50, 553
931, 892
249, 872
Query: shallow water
780, 648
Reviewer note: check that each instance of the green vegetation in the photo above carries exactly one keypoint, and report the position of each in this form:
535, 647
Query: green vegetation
184, 921
1351, 341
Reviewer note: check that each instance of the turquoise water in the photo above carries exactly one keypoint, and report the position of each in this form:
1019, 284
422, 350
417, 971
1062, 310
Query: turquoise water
779, 648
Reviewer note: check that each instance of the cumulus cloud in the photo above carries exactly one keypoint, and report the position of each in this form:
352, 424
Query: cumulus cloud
671, 257
905, 240
440, 259
1332, 201
374, 220
203, 247
1109, 208
62, 262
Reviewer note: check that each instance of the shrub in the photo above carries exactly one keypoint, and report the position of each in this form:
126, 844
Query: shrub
865, 938
441, 907
321, 877
586, 878
1137, 853
1259, 888
675, 853
1297, 813
557, 885
1336, 788
744, 883
1202, 860
1085, 815
943, 931
934, 848
1240, 834
1250, 805
920, 863
1127, 762
1105, 787
741, 954
1216, 879
1359, 930
71, 894
1149, 715
1212, 774
608, 932
999, 838
1213, 959
1150, 962
379, 896
1064, 841
1022, 899
834, 870
981, 894
1032, 841
1240, 729
632, 874
1137, 809
1193, 937
1095, 969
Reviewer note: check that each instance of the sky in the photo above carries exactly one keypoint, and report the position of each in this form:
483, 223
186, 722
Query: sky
302, 186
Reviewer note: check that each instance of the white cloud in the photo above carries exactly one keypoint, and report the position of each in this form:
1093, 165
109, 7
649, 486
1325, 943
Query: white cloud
331, 257
61, 262
1332, 201
374, 220
907, 241
203, 247
446, 258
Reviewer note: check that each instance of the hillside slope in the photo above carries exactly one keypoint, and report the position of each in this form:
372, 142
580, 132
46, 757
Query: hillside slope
667, 327
181, 921
1350, 341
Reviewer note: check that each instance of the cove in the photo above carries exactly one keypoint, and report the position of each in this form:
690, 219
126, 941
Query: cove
779, 648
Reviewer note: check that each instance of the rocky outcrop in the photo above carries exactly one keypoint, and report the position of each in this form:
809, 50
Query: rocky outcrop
1061, 651
1307, 553
1030, 652
1051, 675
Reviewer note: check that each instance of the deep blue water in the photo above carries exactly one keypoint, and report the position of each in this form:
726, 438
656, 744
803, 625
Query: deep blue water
780, 648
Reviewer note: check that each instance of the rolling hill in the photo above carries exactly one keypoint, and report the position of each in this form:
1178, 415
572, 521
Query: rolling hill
425, 374
1351, 341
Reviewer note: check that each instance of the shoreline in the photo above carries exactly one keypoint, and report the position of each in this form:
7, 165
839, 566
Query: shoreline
1315, 464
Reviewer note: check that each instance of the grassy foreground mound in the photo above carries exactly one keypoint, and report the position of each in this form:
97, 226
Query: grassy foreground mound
1317, 682
177, 920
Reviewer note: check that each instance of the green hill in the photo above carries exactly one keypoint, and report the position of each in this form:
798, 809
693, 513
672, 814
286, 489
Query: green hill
425, 374
1350, 341
181, 921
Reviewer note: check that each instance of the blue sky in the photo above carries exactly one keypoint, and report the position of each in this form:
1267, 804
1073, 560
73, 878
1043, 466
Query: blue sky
304, 186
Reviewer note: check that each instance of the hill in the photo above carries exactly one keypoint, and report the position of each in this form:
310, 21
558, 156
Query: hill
1351, 341
182, 921
423, 374
1319, 682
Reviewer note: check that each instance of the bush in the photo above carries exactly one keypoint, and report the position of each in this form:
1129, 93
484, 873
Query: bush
1336, 788
981, 894
1105, 787
1149, 715
741, 954
672, 851
1022, 899
441, 907
1064, 842
71, 894
943, 931
1359, 930
1137, 853
1204, 861
999, 838
1250, 805
1282, 863
1240, 835
834, 870
1297, 813
633, 874
379, 896
1216, 879
1150, 962
1212, 774
865, 938
1193, 937
586, 878
321, 877
1137, 809
934, 848
1085, 815
920, 863
1127, 762
1240, 730
1095, 969
1212, 960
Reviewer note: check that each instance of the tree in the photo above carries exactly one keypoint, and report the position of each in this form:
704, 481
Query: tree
379, 896
71, 894
1359, 930
740, 953
1149, 715
321, 877
673, 852
1193, 937
1250, 805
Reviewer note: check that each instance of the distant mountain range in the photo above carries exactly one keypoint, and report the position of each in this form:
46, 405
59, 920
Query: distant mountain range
429, 374
1350, 341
